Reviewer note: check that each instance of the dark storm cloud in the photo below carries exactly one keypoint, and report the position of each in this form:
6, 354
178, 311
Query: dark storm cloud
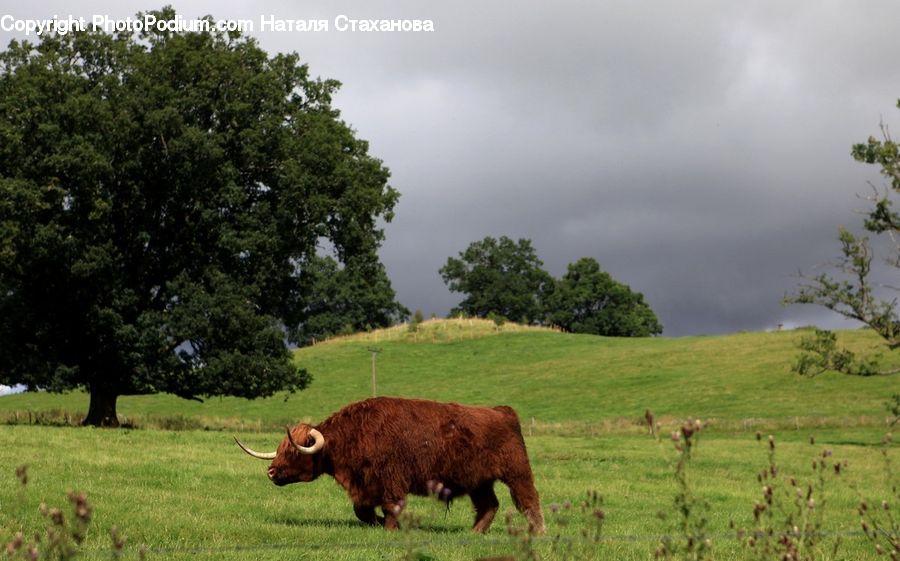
698, 150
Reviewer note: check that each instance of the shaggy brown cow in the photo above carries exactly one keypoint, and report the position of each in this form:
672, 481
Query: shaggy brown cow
382, 449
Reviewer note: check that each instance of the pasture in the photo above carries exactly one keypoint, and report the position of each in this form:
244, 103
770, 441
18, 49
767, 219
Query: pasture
191, 494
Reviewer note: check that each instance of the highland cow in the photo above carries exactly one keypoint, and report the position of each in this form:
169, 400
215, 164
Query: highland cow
382, 449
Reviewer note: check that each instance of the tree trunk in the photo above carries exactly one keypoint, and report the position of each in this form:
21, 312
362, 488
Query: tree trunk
102, 411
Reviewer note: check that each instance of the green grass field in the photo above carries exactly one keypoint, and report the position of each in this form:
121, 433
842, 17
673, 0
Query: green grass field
191, 494
562, 381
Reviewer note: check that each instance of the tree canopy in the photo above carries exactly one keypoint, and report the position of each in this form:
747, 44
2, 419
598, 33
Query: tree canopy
505, 279
502, 276
851, 292
588, 300
161, 195
348, 299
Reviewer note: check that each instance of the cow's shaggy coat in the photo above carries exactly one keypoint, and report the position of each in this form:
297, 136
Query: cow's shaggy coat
381, 449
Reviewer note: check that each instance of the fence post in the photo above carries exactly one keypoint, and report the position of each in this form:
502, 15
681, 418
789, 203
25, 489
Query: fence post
374, 352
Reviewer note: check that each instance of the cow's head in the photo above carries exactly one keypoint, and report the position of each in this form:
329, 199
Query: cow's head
295, 459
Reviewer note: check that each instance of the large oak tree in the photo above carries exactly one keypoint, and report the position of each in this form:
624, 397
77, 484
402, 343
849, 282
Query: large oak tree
160, 196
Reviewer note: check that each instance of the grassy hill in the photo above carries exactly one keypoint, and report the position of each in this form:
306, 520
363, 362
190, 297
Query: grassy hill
192, 494
562, 381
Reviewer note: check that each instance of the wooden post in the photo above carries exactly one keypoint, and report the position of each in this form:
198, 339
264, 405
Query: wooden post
374, 386
374, 352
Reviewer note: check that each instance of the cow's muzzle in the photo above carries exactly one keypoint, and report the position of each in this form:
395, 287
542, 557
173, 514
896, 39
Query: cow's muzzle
275, 478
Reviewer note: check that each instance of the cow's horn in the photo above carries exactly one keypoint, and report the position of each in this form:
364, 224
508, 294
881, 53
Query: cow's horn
260, 455
319, 442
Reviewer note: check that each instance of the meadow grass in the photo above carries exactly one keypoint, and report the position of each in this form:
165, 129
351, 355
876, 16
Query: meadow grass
191, 494
566, 383
194, 495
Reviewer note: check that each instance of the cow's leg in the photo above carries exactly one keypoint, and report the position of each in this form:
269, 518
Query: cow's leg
486, 504
392, 508
526, 499
367, 515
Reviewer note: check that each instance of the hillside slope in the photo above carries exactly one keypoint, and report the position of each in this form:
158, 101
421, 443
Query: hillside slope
552, 377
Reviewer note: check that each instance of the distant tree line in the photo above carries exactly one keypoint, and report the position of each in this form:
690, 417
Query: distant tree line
346, 299
502, 277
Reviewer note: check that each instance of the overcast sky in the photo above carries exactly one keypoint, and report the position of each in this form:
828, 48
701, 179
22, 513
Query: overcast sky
698, 150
